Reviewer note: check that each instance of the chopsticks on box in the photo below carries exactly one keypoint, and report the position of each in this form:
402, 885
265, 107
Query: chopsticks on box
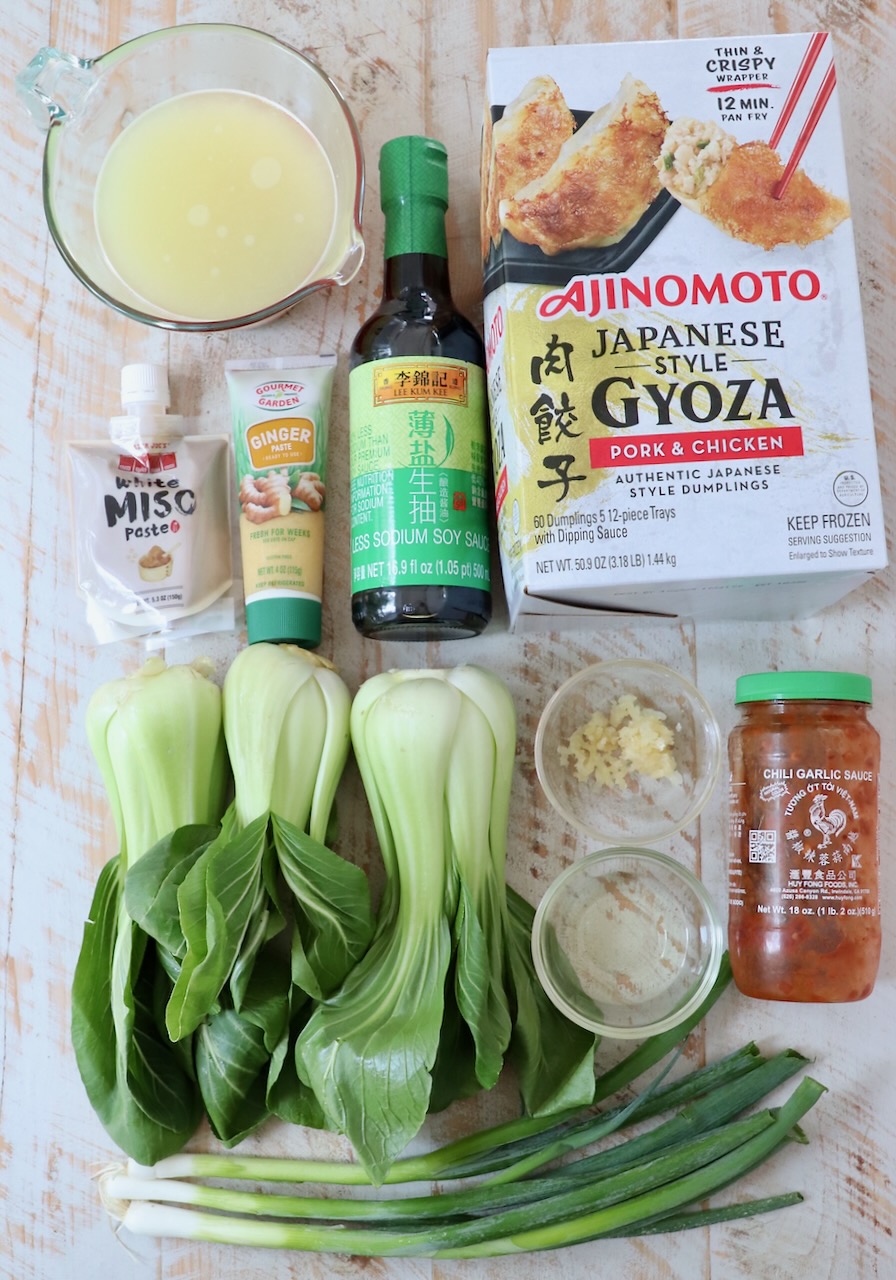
821, 101
825, 90
810, 57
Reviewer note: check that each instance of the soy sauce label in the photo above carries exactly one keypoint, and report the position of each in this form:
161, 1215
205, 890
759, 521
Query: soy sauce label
419, 497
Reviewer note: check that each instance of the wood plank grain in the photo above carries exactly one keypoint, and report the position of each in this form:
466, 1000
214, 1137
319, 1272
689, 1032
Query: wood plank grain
416, 67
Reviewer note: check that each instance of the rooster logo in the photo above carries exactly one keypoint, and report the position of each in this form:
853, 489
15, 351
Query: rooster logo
829, 824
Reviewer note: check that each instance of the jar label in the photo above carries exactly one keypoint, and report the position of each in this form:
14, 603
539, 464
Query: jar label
805, 826
419, 504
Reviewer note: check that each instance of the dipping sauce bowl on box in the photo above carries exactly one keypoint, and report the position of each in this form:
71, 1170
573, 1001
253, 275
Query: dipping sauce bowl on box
199, 177
627, 943
628, 751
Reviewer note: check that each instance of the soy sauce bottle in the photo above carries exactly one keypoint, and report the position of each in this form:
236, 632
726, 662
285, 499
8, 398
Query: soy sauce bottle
418, 426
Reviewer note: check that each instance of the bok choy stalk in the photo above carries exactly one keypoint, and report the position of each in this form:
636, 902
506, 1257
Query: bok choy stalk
267, 917
157, 738
430, 1010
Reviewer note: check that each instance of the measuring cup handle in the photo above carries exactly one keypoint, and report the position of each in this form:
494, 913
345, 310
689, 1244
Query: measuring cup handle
53, 86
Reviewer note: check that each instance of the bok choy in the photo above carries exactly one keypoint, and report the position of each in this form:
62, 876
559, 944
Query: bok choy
446, 987
157, 738
267, 918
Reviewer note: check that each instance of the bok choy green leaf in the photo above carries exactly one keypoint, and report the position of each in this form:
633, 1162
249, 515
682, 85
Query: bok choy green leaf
157, 737
266, 918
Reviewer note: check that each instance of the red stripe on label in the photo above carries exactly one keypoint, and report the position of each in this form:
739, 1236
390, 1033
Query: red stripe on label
696, 446
501, 490
739, 88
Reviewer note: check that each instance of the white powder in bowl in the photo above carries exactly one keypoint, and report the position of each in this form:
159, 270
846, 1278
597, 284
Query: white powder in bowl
631, 941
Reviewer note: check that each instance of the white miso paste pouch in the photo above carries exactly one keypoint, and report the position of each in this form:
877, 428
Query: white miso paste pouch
151, 509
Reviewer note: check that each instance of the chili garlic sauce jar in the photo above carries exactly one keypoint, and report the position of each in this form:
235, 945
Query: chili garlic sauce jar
804, 901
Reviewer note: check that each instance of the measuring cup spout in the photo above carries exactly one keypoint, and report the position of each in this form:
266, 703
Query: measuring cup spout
351, 263
54, 85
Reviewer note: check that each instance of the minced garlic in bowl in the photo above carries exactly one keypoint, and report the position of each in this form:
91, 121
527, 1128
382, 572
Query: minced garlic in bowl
629, 740
628, 751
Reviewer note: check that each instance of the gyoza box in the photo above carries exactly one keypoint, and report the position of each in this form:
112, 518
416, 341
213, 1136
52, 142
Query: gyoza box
677, 376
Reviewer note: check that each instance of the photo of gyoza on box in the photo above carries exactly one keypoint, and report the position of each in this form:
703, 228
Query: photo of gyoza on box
678, 385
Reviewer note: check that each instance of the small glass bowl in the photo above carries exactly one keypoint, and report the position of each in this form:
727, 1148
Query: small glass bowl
638, 808
627, 942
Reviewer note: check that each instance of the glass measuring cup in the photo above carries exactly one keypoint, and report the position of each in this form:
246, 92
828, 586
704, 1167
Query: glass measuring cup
86, 104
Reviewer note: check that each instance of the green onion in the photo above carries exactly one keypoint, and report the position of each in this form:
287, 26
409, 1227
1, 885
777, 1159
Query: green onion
508, 1208
677, 1193
709, 1217
700, 1115
644, 1185
699, 1122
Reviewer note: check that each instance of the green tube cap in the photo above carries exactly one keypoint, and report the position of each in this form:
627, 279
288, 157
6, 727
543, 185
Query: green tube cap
284, 620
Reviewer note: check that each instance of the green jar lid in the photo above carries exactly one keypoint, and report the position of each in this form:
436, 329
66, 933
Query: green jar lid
284, 620
779, 686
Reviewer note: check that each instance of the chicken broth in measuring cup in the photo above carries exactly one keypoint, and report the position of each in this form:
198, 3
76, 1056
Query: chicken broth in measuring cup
215, 204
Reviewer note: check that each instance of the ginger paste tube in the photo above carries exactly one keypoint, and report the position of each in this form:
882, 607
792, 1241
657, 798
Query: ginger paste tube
281, 409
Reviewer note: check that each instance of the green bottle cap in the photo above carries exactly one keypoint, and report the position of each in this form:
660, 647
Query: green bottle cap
284, 620
414, 195
781, 686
